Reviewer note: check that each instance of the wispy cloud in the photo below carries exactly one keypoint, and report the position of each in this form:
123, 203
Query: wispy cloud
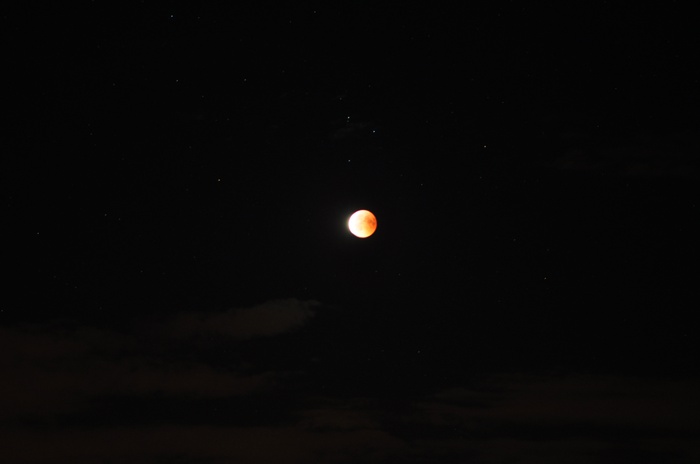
94, 395
264, 320
54, 371
639, 156
253, 445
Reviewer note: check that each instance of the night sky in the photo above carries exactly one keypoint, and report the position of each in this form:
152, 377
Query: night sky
181, 285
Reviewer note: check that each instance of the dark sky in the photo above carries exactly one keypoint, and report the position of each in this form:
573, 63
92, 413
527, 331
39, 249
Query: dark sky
181, 286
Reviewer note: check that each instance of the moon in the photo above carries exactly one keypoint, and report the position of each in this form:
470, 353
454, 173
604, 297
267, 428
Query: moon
362, 223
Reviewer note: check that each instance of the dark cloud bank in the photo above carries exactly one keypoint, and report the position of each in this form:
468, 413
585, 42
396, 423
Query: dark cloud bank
196, 388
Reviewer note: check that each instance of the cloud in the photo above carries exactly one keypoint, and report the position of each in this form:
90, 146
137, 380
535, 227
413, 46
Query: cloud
639, 156
56, 373
553, 419
143, 395
49, 371
336, 415
264, 320
253, 445
596, 401
348, 130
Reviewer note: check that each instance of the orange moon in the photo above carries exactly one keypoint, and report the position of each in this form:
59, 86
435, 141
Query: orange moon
362, 223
